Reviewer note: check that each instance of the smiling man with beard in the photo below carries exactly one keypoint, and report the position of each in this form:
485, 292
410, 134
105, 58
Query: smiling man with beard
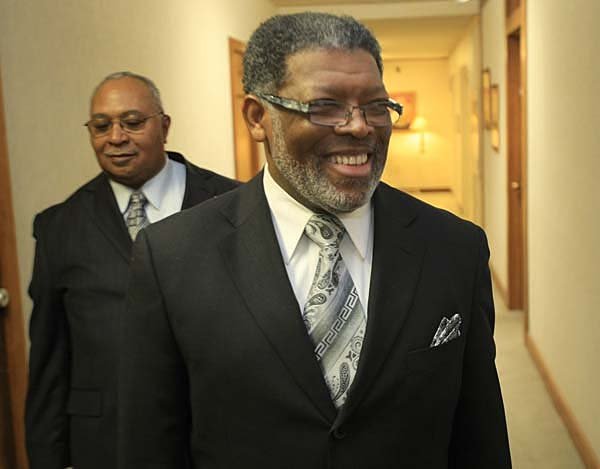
343, 324
80, 274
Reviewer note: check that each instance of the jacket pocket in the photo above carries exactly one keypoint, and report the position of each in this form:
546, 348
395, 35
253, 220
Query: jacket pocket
430, 358
85, 402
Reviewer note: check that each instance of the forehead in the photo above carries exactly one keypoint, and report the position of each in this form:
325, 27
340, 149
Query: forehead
124, 94
337, 72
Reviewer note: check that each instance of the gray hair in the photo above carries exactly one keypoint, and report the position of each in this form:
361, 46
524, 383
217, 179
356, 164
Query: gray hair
281, 36
145, 80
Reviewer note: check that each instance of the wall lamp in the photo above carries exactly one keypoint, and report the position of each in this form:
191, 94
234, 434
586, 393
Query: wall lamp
419, 124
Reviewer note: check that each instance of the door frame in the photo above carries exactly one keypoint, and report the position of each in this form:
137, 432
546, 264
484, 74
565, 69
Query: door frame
247, 160
12, 317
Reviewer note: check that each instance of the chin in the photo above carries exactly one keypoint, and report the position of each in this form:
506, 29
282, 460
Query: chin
344, 202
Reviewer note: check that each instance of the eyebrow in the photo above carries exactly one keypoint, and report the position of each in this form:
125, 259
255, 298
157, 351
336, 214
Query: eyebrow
123, 114
335, 91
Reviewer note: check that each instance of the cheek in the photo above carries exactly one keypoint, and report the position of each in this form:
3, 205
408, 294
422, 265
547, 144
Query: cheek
304, 144
98, 146
385, 134
151, 142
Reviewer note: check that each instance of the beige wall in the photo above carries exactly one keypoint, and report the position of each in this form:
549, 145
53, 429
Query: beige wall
407, 167
563, 66
465, 81
564, 199
52, 53
495, 209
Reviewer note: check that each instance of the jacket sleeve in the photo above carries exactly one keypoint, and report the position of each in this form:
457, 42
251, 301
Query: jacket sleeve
479, 435
46, 419
154, 415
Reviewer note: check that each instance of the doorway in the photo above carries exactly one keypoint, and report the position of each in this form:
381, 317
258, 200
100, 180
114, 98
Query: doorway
247, 161
13, 362
516, 154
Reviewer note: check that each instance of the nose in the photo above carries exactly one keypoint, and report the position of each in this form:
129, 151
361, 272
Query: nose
356, 126
117, 135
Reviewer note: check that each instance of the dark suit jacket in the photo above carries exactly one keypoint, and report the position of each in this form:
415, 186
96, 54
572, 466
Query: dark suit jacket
78, 289
218, 370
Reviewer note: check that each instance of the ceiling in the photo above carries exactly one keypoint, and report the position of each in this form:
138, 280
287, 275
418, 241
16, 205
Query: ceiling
299, 3
432, 33
403, 38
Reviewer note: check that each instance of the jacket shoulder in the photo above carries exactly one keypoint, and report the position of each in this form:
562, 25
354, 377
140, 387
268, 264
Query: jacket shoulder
77, 201
215, 181
433, 222
211, 181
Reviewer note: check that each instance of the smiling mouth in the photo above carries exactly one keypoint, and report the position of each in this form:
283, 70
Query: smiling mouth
351, 160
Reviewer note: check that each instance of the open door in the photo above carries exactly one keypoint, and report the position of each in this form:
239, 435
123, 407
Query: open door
13, 362
516, 147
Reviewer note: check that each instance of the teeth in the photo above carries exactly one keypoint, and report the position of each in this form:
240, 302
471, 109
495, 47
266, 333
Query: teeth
350, 160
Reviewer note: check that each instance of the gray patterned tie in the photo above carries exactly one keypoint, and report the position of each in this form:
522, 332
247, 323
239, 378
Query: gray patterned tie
333, 314
136, 214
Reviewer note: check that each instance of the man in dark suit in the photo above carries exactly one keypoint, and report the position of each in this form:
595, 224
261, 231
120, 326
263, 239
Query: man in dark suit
81, 268
314, 317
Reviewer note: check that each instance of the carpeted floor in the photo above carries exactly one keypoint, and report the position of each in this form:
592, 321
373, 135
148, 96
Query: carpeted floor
538, 437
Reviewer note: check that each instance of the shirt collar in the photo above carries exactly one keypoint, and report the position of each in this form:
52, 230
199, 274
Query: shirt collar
291, 217
154, 189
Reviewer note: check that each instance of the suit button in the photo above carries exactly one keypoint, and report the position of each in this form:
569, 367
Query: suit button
339, 433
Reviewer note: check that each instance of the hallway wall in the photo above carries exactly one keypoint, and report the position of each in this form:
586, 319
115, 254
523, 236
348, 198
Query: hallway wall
495, 208
465, 80
564, 200
563, 230
53, 53
407, 167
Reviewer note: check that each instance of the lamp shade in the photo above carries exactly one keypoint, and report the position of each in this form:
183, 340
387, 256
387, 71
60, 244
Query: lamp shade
419, 123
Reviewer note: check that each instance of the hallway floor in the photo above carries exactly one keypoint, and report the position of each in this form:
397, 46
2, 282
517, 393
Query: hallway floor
538, 437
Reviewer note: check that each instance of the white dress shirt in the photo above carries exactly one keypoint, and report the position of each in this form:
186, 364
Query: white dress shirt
164, 192
301, 254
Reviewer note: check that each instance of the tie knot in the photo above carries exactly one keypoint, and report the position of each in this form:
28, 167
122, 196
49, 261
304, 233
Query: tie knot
137, 199
325, 230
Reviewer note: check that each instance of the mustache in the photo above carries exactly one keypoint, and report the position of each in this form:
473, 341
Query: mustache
350, 145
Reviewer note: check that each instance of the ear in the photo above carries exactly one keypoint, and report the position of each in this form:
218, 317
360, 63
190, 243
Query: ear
166, 124
256, 117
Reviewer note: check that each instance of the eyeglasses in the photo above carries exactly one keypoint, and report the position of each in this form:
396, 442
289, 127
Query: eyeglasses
132, 123
381, 113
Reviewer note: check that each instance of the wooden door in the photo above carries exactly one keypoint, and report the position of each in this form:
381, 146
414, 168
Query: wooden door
13, 363
247, 162
516, 147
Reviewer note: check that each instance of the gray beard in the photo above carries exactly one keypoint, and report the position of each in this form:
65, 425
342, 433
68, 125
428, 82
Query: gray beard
310, 181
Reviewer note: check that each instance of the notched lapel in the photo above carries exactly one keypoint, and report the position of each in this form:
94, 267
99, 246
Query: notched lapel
107, 216
397, 262
253, 257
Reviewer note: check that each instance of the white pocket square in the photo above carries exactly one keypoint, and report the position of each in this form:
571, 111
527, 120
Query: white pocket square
448, 330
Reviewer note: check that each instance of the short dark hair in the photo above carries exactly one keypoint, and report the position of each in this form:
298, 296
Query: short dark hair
281, 36
145, 80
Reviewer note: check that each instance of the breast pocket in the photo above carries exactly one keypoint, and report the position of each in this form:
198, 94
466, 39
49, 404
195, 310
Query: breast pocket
432, 358
85, 402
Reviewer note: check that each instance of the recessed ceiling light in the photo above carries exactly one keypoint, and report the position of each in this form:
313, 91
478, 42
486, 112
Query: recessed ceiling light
462, 1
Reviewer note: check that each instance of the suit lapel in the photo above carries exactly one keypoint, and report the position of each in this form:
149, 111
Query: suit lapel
107, 216
397, 261
253, 257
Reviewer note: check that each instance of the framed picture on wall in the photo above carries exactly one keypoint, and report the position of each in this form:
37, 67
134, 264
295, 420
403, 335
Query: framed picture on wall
494, 111
486, 83
408, 99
